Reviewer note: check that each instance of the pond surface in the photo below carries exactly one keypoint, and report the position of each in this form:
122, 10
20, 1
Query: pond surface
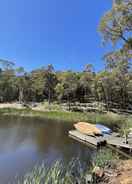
25, 142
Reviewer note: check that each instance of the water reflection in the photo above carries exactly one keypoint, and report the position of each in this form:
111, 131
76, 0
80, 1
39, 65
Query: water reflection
27, 141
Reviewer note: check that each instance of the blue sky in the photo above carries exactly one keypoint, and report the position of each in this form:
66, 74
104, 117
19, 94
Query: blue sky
36, 33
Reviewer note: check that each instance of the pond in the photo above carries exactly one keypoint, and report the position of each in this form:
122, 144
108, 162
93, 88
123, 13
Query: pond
25, 142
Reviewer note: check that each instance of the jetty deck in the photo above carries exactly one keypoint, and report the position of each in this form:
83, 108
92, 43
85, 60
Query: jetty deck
112, 140
118, 142
94, 140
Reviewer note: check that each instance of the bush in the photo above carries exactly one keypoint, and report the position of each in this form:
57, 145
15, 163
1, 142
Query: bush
110, 119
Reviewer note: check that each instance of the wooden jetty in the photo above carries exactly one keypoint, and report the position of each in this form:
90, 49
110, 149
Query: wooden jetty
93, 140
118, 142
112, 140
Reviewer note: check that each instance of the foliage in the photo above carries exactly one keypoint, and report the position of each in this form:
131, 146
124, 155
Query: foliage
71, 173
125, 129
111, 120
111, 86
104, 157
116, 27
57, 174
116, 24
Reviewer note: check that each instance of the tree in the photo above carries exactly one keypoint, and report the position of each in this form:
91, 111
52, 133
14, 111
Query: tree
7, 87
116, 24
69, 82
50, 82
59, 89
119, 67
43, 83
86, 82
20, 83
116, 27
37, 84
104, 87
7, 76
7, 65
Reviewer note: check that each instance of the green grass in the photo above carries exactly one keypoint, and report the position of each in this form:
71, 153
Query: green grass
109, 119
104, 157
54, 115
52, 107
56, 174
70, 174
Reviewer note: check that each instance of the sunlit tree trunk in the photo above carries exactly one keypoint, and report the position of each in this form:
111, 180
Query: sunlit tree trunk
49, 97
21, 95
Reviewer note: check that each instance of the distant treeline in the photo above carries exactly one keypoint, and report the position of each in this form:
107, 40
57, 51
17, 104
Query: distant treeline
112, 86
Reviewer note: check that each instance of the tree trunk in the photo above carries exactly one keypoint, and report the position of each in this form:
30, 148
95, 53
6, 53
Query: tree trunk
20, 95
105, 97
49, 97
69, 103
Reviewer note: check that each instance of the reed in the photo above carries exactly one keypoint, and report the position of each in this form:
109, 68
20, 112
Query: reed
72, 173
111, 120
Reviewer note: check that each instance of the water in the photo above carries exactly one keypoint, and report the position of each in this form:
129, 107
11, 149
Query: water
25, 142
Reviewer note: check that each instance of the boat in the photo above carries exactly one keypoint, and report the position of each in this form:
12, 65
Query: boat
87, 128
104, 129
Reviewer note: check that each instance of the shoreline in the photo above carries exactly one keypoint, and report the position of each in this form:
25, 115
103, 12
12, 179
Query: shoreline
109, 119
117, 174
51, 115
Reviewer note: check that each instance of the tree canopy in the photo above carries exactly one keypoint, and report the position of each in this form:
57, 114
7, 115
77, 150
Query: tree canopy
116, 27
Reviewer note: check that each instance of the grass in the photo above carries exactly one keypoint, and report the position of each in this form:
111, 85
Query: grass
52, 107
109, 119
56, 174
71, 174
105, 157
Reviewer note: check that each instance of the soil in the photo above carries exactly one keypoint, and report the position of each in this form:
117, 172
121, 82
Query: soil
121, 174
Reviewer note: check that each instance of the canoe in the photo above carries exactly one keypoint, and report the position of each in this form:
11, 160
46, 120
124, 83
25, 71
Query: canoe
87, 128
104, 129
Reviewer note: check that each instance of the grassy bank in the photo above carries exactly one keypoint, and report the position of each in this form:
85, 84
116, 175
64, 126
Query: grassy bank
109, 119
72, 173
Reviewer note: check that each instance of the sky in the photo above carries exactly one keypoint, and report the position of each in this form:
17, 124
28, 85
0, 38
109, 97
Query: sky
35, 33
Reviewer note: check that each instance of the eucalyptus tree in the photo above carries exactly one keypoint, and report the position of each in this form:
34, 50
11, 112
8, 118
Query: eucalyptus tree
86, 82
68, 86
129, 91
103, 87
7, 76
37, 84
20, 83
119, 67
50, 81
7, 87
116, 25
6, 64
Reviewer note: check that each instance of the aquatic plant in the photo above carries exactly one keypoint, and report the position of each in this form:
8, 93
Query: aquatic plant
104, 157
57, 174
73, 173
